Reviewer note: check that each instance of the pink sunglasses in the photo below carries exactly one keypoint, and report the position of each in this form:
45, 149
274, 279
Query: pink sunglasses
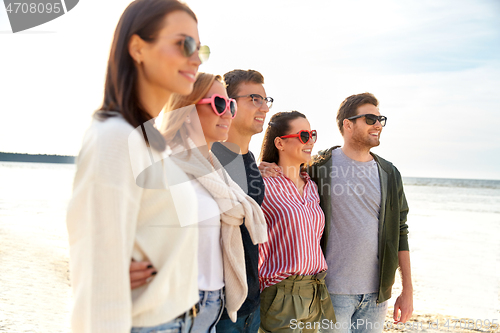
220, 104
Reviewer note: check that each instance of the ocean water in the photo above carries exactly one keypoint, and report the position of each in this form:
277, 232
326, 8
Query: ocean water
454, 240
454, 229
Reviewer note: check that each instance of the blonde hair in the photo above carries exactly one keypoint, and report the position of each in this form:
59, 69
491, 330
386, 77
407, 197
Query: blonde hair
175, 131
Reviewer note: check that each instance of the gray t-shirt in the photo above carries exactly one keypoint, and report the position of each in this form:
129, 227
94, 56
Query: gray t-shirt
352, 249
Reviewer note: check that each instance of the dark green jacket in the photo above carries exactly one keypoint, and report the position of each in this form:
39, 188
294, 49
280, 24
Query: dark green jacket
393, 230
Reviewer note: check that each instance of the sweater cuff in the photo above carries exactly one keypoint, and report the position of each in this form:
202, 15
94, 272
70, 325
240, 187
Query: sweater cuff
403, 243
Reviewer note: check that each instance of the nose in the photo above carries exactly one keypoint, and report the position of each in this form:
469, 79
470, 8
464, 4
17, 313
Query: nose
264, 107
227, 114
194, 59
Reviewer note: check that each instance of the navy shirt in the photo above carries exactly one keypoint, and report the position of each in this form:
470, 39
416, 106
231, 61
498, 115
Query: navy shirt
244, 171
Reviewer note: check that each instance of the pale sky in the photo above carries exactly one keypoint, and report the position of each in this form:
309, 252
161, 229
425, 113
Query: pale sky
433, 65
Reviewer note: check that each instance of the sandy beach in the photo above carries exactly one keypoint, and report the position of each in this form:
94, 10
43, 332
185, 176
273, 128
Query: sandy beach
35, 293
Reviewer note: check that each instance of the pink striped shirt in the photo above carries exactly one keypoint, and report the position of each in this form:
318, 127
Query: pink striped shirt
294, 225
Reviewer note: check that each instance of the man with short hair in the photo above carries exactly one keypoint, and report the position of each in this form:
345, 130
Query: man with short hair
366, 235
253, 104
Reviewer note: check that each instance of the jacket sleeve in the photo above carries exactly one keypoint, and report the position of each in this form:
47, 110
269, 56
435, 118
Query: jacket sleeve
403, 213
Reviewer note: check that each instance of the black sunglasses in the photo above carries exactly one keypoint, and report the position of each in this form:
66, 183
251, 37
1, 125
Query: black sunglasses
371, 119
189, 47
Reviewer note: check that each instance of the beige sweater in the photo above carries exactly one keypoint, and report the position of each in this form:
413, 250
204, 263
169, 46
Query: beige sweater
236, 207
111, 220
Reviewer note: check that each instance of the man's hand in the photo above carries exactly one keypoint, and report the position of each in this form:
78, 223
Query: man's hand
404, 303
269, 169
140, 273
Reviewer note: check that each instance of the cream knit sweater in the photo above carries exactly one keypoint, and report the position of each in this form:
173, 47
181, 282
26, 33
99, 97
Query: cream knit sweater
111, 220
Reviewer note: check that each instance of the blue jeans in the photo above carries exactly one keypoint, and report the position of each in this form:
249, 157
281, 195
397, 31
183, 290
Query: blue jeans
358, 313
244, 324
211, 306
178, 325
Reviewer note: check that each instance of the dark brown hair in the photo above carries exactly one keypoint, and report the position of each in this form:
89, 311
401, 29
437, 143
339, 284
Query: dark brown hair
348, 108
144, 18
234, 78
279, 125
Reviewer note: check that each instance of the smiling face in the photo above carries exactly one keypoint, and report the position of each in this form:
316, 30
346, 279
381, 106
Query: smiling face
163, 67
365, 135
215, 128
250, 119
292, 150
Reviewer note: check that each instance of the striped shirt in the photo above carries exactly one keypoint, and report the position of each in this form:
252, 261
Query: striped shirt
295, 225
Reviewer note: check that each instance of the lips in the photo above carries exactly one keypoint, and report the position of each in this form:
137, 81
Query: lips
307, 151
191, 76
261, 119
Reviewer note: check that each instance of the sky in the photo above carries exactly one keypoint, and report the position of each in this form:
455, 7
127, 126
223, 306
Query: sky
433, 65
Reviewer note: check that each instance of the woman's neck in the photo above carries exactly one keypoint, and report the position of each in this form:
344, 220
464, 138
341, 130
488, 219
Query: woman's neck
152, 99
291, 170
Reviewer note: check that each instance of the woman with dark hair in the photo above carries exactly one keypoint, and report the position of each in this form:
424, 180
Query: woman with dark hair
292, 267
123, 205
190, 125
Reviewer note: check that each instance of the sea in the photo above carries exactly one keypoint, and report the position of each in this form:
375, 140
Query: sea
454, 240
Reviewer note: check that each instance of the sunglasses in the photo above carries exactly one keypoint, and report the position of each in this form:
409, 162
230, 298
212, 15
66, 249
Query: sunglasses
371, 119
258, 100
189, 47
304, 136
221, 104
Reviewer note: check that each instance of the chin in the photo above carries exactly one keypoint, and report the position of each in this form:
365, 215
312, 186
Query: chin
258, 129
305, 160
221, 139
183, 89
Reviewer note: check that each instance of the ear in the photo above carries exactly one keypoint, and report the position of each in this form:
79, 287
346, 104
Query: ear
347, 124
135, 48
278, 143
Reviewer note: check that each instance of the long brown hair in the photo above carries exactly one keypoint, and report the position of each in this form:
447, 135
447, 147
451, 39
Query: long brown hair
279, 125
144, 18
176, 110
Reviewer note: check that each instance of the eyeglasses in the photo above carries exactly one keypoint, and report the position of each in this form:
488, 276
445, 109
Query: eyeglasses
371, 119
189, 46
258, 100
304, 136
220, 104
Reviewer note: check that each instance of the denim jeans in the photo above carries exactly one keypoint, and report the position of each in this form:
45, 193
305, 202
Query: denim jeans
244, 324
358, 313
178, 325
211, 306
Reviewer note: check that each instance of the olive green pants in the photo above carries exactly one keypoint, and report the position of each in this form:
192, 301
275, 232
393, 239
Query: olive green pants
297, 304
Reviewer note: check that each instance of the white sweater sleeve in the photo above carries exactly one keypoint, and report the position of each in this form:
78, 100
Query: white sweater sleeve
101, 221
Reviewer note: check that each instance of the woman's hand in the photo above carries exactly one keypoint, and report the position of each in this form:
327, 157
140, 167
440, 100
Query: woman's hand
269, 169
141, 273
